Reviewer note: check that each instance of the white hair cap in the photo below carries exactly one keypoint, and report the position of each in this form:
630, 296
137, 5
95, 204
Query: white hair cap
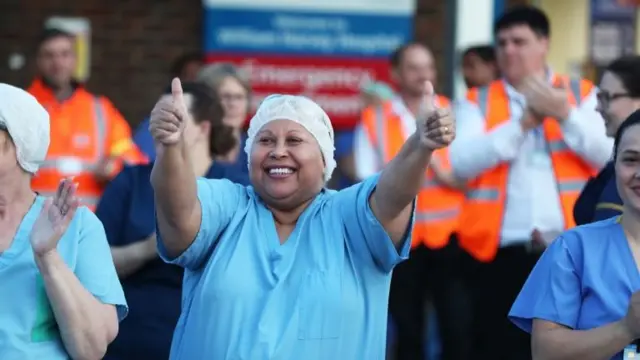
303, 111
27, 122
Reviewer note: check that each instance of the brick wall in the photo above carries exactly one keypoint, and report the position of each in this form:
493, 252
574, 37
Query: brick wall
135, 41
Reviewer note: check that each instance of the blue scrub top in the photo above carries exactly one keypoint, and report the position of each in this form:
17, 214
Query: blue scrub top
321, 295
584, 280
153, 292
28, 327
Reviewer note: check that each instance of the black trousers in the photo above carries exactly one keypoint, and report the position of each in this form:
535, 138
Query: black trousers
494, 288
436, 275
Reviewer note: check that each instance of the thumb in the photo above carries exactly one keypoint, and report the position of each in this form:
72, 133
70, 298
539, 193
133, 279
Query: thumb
429, 96
176, 91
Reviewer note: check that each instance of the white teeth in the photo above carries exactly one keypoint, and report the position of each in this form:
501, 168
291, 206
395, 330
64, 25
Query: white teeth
280, 171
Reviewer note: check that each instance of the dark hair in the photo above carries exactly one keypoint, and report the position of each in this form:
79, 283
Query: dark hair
485, 52
181, 63
52, 33
627, 68
207, 107
632, 120
527, 15
398, 54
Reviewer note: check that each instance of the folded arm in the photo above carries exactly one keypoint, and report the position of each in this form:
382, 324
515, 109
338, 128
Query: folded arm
475, 150
86, 325
551, 341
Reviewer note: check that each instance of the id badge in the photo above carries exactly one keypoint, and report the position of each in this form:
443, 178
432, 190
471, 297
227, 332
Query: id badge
631, 352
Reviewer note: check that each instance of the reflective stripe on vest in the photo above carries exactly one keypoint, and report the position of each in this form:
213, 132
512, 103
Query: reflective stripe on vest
485, 200
70, 165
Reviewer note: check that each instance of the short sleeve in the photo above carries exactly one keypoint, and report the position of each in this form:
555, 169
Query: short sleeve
220, 199
553, 290
365, 233
94, 267
113, 206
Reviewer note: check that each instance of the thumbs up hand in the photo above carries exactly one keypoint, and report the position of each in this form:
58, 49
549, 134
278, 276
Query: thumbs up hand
436, 126
169, 116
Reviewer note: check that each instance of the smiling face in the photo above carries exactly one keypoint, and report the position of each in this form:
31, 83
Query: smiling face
287, 166
627, 165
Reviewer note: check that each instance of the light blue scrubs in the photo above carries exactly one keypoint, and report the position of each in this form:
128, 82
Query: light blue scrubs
28, 329
321, 295
584, 280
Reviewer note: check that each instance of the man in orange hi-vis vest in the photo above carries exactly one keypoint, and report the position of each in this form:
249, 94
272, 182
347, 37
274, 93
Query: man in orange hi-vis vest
431, 270
90, 140
526, 144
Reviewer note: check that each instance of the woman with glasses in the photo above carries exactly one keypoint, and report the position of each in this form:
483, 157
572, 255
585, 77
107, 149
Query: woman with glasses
618, 98
233, 88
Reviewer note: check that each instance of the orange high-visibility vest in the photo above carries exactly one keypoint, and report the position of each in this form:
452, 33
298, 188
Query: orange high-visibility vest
437, 207
484, 205
85, 130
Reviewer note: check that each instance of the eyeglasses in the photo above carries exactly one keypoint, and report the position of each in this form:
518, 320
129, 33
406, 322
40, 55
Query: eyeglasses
606, 98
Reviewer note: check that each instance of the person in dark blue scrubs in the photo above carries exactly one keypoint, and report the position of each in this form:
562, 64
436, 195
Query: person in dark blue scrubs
618, 99
152, 287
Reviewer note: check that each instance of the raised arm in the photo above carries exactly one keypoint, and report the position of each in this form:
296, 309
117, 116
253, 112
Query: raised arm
178, 209
402, 178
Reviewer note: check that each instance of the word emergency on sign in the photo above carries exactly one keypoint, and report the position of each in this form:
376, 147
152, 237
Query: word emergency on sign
323, 49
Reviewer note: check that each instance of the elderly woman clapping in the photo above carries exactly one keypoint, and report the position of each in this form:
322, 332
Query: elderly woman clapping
285, 269
60, 297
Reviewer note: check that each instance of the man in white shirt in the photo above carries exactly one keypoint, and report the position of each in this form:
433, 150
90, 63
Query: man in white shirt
536, 159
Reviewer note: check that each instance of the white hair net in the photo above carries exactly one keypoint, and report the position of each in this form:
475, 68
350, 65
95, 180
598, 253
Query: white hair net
27, 122
303, 111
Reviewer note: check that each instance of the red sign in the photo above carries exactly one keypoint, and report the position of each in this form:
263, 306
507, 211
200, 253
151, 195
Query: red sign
333, 83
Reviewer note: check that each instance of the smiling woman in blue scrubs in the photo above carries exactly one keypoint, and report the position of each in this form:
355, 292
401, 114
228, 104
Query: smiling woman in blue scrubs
286, 269
153, 288
581, 301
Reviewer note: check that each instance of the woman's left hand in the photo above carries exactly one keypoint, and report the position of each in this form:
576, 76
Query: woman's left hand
54, 218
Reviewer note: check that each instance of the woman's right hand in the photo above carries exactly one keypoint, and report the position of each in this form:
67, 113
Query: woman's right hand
632, 319
169, 116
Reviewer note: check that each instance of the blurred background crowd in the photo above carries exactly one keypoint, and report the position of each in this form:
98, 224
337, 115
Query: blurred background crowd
98, 67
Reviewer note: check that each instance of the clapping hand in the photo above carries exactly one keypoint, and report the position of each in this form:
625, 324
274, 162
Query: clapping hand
546, 100
436, 126
54, 218
168, 117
